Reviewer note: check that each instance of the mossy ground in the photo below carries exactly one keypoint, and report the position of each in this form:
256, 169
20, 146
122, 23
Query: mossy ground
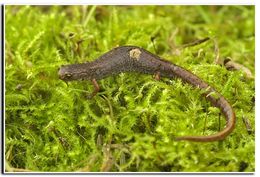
131, 123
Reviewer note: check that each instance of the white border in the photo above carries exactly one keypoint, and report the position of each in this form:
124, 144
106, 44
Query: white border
133, 2
257, 65
3, 87
156, 2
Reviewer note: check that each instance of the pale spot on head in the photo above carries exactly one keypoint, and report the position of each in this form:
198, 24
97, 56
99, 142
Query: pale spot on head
135, 54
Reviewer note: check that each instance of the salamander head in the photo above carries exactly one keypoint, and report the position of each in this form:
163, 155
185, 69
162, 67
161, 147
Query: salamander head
73, 72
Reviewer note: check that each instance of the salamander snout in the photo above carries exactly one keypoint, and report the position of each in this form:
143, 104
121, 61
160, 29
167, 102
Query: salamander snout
64, 74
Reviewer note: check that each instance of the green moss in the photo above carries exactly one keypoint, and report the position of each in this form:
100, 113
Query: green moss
130, 125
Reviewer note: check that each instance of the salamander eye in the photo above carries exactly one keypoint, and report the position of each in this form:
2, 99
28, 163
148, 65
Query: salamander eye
68, 75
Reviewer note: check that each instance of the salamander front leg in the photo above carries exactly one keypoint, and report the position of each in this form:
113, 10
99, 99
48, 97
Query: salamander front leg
96, 89
157, 76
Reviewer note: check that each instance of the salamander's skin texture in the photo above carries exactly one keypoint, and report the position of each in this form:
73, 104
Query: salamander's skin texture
136, 59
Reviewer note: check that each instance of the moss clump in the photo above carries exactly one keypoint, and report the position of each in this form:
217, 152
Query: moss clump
131, 123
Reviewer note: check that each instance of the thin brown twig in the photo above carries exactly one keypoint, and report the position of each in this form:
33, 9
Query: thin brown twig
194, 43
247, 124
231, 65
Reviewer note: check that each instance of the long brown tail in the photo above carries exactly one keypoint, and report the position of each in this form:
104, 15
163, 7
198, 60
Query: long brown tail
216, 99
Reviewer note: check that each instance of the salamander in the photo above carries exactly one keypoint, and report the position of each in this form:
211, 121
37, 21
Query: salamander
136, 59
